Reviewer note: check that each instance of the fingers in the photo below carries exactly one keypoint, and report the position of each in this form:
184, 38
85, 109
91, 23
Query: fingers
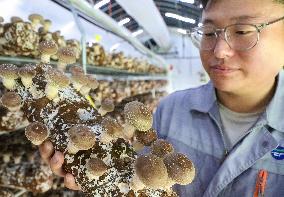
69, 182
46, 150
56, 163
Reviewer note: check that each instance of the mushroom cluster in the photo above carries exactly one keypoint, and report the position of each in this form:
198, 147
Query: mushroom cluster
99, 151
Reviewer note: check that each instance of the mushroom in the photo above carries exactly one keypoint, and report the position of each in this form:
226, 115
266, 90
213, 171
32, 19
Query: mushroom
107, 105
180, 169
76, 70
137, 116
27, 73
95, 168
79, 80
15, 19
91, 84
12, 101
66, 56
47, 48
8, 72
35, 19
146, 137
37, 132
56, 80
152, 171
112, 130
1, 19
46, 25
161, 148
80, 138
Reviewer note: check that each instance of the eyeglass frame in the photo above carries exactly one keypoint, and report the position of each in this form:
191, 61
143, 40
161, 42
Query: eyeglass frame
259, 28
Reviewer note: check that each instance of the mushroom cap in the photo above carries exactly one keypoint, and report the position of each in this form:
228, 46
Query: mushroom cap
161, 148
151, 170
33, 17
16, 19
146, 137
57, 77
96, 167
82, 79
67, 55
76, 70
36, 132
92, 82
107, 105
47, 47
112, 127
82, 137
11, 100
46, 22
138, 115
179, 168
27, 71
9, 71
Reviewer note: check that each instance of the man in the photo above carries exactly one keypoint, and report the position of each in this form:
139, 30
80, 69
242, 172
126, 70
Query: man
231, 128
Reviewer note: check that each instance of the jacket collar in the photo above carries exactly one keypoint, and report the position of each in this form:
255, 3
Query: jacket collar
274, 112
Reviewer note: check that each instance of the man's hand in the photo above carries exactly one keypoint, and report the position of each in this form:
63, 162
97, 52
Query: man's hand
55, 160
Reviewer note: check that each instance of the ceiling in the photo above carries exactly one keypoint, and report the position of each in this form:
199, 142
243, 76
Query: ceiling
193, 11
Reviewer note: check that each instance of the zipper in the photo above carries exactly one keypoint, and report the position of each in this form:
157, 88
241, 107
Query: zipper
260, 183
226, 149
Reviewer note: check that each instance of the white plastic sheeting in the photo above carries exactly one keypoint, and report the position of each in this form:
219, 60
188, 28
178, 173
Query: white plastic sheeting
148, 16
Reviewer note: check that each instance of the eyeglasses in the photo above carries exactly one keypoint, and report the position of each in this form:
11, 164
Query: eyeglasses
239, 37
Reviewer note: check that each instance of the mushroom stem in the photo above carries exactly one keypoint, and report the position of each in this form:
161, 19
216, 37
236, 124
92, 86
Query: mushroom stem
128, 131
136, 184
9, 83
51, 91
62, 66
27, 81
45, 58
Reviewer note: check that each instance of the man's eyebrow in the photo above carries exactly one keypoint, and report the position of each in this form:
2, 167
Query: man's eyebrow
236, 18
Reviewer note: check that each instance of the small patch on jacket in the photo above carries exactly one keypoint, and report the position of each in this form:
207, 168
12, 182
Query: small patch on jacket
278, 153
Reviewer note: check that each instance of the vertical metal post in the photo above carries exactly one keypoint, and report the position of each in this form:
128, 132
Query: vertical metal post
83, 36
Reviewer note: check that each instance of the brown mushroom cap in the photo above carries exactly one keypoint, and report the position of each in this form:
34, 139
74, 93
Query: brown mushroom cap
82, 137
57, 78
37, 132
92, 82
67, 55
107, 105
138, 115
76, 70
9, 71
161, 148
112, 127
27, 71
179, 168
16, 19
96, 167
11, 100
47, 47
146, 137
35, 18
151, 170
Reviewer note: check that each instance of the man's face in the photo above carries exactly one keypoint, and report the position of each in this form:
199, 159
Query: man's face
243, 72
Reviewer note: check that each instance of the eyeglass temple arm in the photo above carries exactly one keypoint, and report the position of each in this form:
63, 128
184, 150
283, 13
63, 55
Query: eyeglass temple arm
263, 25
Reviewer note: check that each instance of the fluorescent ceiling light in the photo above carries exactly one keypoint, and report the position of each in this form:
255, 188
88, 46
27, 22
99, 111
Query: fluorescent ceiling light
182, 31
101, 4
181, 18
187, 1
200, 24
201, 6
114, 47
138, 32
124, 21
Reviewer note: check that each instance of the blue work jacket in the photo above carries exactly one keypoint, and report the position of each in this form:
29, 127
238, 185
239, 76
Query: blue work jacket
190, 120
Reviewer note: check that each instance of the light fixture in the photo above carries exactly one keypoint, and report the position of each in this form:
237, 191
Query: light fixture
182, 31
114, 47
200, 24
201, 6
101, 4
181, 18
124, 21
138, 32
187, 1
